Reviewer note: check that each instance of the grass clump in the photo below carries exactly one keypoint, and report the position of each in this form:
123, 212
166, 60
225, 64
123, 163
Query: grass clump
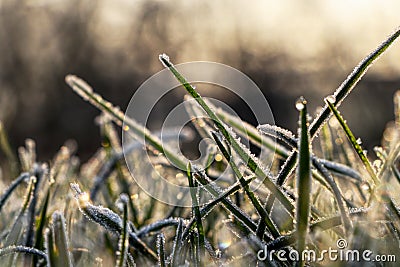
329, 198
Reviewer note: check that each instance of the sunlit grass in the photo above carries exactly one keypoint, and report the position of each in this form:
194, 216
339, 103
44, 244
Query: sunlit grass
308, 199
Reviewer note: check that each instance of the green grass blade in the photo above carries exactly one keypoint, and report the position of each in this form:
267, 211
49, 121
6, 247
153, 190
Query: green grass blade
210, 205
254, 200
51, 254
326, 142
347, 225
340, 94
196, 211
60, 247
177, 246
278, 133
245, 155
38, 173
216, 191
130, 125
161, 250
19, 221
22, 249
330, 101
10, 189
251, 133
303, 179
41, 225
351, 81
123, 242
109, 220
156, 226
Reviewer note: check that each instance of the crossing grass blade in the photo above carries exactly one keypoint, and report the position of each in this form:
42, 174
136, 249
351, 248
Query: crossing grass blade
245, 155
254, 200
330, 101
340, 94
10, 189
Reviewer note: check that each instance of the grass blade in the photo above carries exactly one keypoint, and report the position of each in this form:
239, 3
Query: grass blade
340, 94
161, 250
303, 179
330, 101
351, 81
22, 249
110, 221
252, 133
123, 243
249, 160
347, 225
130, 125
57, 243
254, 200
40, 228
196, 211
210, 205
7, 193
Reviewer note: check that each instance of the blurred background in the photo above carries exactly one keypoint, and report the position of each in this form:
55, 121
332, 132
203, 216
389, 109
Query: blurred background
288, 48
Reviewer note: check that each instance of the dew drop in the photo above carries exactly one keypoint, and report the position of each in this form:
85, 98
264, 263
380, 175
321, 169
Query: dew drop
331, 99
359, 141
218, 157
300, 104
179, 175
179, 195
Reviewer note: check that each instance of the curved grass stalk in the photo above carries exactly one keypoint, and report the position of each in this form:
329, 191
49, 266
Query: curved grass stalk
10, 189
156, 226
16, 228
22, 249
347, 224
110, 221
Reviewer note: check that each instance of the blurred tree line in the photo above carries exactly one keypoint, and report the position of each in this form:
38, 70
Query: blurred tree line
114, 45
